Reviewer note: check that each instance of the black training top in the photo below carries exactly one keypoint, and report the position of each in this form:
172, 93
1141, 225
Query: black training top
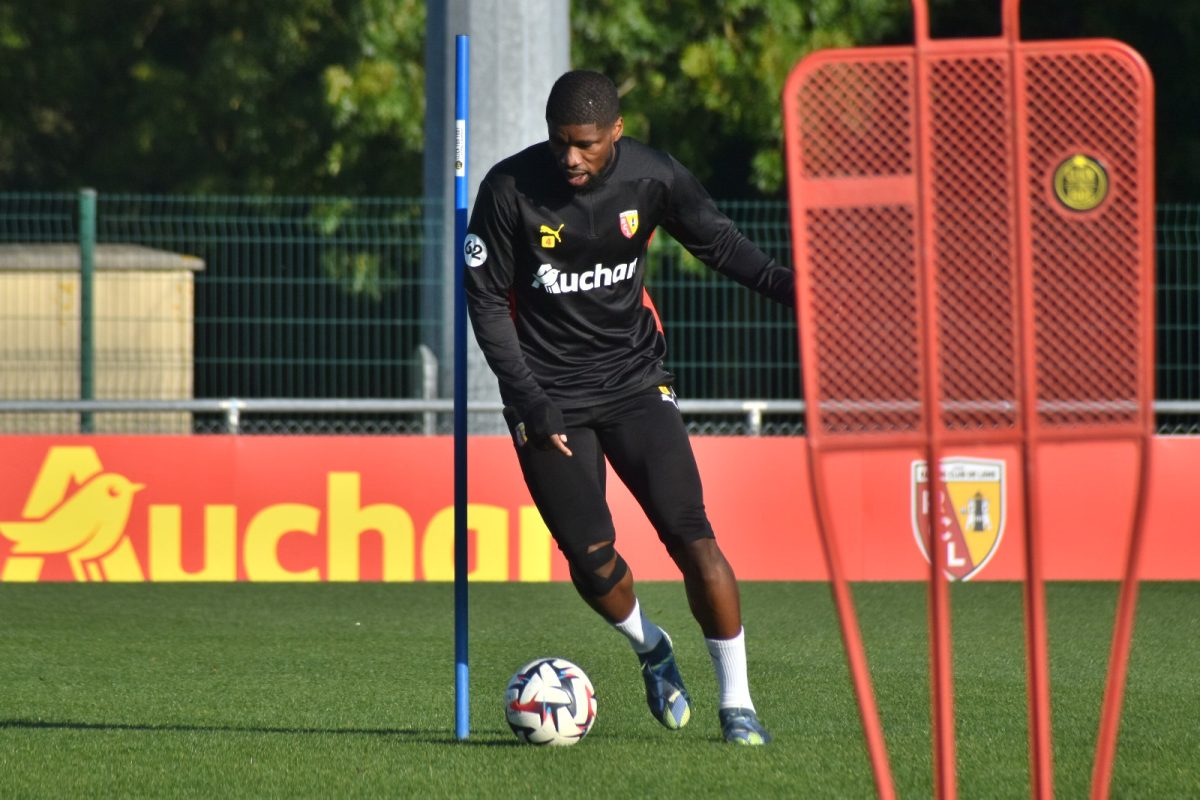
554, 275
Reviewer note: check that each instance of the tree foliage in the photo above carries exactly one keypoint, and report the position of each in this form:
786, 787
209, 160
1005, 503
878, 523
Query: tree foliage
703, 78
280, 96
327, 96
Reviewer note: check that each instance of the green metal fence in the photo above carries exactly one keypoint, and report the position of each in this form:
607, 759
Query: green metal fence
1178, 295
286, 298
722, 340
321, 297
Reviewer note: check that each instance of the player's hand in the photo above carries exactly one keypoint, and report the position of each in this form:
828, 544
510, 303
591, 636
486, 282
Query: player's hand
544, 427
559, 442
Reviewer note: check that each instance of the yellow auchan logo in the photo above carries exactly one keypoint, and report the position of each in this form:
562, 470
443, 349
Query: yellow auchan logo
79, 510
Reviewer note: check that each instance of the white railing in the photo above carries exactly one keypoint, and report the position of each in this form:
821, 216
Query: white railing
233, 408
753, 411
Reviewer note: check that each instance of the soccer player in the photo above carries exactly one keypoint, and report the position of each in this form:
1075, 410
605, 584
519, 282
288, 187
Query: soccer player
556, 256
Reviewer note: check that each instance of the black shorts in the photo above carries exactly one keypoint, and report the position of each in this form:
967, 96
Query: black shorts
644, 439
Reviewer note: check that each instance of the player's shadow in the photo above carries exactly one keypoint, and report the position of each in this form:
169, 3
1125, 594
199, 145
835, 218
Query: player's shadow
425, 736
404, 733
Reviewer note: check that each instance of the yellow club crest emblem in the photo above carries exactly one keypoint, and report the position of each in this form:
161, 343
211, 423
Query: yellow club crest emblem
1080, 183
968, 508
629, 223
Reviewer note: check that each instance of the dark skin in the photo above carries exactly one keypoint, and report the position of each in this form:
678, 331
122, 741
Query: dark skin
583, 152
711, 587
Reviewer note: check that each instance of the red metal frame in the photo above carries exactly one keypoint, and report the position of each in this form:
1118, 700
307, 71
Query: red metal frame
943, 294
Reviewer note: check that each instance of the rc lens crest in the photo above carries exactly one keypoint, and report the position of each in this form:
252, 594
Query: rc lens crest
1080, 183
968, 509
629, 223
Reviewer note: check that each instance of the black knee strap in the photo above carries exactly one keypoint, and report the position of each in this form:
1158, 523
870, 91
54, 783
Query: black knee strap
585, 571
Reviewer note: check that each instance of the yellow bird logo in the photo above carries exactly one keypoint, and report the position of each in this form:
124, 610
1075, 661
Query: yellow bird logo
88, 525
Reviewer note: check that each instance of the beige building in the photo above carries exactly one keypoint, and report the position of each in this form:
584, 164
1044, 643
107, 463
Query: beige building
142, 333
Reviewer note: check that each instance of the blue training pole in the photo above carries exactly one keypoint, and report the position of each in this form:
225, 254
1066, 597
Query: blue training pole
462, 691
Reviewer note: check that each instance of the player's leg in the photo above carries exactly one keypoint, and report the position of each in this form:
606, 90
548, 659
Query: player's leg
711, 586
569, 494
713, 597
648, 447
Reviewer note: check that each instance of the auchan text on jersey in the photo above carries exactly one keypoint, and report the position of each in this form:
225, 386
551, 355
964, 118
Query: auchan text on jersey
556, 281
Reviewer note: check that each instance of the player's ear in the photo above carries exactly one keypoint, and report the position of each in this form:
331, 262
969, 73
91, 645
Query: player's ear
617, 128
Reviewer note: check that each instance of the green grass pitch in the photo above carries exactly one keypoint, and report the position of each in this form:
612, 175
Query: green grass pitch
321, 690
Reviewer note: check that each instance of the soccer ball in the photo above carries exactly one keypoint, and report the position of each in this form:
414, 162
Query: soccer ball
550, 701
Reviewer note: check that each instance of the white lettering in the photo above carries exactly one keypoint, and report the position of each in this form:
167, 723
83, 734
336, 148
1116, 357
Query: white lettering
604, 275
556, 281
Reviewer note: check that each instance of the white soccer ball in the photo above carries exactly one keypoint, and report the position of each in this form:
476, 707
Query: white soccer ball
550, 701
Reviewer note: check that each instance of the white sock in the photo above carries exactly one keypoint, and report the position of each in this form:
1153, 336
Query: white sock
643, 634
729, 660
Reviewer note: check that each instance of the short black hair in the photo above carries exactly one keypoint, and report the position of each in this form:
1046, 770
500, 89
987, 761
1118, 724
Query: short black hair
583, 97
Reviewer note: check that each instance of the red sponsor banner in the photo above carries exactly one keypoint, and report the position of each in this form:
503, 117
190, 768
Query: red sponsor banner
108, 508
